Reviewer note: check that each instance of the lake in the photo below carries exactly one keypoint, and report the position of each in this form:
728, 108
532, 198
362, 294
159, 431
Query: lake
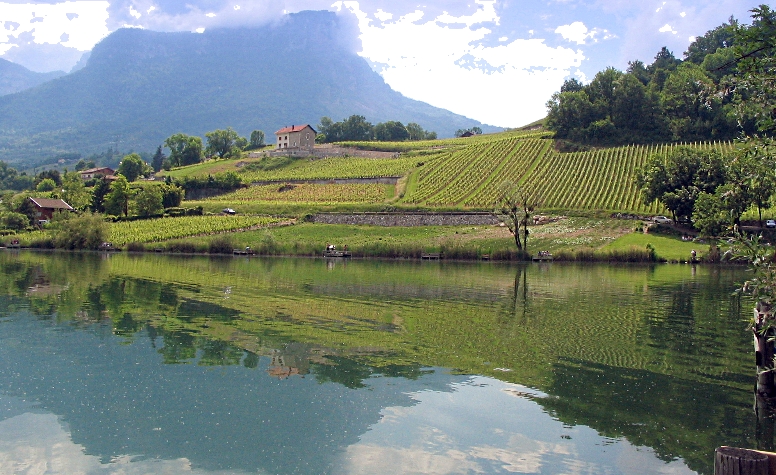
117, 363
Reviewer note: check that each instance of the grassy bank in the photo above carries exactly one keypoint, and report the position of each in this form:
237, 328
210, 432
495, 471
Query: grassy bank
568, 239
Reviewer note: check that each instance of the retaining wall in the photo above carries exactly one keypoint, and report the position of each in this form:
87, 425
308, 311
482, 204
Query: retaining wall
408, 219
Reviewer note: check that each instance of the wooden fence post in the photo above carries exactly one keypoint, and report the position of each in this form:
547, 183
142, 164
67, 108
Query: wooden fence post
735, 461
763, 348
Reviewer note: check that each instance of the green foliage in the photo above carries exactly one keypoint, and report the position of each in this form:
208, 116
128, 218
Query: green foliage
149, 202
117, 200
157, 162
256, 140
222, 143
132, 167
47, 184
11, 179
70, 231
74, 192
678, 179
184, 149
14, 221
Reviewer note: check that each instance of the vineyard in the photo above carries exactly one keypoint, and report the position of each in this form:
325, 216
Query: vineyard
311, 193
155, 230
603, 179
462, 173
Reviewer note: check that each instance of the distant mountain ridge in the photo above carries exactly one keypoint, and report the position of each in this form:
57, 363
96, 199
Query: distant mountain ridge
140, 86
15, 77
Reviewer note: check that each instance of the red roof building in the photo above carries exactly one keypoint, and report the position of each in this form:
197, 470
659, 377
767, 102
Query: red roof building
45, 208
92, 172
296, 137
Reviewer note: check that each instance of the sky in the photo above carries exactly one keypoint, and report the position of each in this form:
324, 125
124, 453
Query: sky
496, 61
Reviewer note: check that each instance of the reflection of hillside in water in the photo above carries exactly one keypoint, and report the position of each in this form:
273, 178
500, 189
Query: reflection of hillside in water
629, 351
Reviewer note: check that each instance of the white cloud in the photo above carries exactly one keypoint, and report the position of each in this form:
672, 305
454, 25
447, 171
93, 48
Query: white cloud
578, 33
438, 62
84, 23
667, 29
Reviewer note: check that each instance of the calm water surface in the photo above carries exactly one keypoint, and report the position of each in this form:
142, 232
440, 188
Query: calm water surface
161, 364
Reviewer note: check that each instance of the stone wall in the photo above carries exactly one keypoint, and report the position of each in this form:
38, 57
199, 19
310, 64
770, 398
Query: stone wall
408, 219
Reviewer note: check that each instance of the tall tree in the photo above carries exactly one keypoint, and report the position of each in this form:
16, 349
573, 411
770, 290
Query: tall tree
257, 139
158, 160
74, 192
515, 207
132, 167
184, 149
222, 143
117, 200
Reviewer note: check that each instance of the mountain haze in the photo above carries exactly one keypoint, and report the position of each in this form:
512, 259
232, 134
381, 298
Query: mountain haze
139, 87
15, 77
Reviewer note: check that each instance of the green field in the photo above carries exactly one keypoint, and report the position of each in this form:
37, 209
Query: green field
460, 174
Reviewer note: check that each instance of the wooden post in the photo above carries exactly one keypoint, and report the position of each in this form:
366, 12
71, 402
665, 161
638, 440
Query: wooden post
735, 461
763, 349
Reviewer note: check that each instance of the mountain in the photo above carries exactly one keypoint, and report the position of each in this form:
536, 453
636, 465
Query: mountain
139, 87
15, 78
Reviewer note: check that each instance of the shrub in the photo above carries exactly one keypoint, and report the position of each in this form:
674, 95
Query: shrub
135, 247
87, 231
221, 245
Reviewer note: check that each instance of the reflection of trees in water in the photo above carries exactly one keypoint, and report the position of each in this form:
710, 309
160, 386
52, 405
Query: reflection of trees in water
677, 417
517, 308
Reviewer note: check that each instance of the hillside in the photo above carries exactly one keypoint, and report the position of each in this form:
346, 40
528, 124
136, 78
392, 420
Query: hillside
454, 173
15, 78
139, 87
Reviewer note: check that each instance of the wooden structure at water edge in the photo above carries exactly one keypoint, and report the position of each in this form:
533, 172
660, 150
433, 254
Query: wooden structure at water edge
735, 461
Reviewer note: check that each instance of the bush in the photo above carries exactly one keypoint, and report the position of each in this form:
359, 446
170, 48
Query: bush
135, 247
221, 245
183, 248
87, 231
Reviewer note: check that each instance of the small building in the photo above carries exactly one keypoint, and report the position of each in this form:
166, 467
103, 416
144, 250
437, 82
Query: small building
45, 208
93, 172
296, 137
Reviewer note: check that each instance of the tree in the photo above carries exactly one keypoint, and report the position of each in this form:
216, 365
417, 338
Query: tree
132, 167
14, 221
149, 201
117, 200
222, 142
74, 192
680, 178
172, 195
416, 132
391, 131
257, 140
158, 161
184, 149
356, 128
84, 165
70, 231
709, 215
53, 174
99, 191
515, 207
47, 184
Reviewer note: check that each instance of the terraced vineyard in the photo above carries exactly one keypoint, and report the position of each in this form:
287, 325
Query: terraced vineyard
154, 230
311, 193
335, 167
602, 179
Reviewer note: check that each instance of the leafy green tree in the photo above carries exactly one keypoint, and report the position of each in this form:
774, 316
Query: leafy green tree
720, 37
52, 174
184, 149
221, 142
47, 184
70, 231
709, 216
755, 83
99, 191
678, 179
357, 128
690, 102
117, 200
132, 167
391, 131
84, 165
149, 201
416, 132
14, 221
257, 140
172, 195
74, 192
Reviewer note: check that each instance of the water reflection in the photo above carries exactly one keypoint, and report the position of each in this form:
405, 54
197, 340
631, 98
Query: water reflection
368, 368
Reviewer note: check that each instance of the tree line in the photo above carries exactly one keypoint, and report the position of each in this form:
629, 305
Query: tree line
700, 97
357, 129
